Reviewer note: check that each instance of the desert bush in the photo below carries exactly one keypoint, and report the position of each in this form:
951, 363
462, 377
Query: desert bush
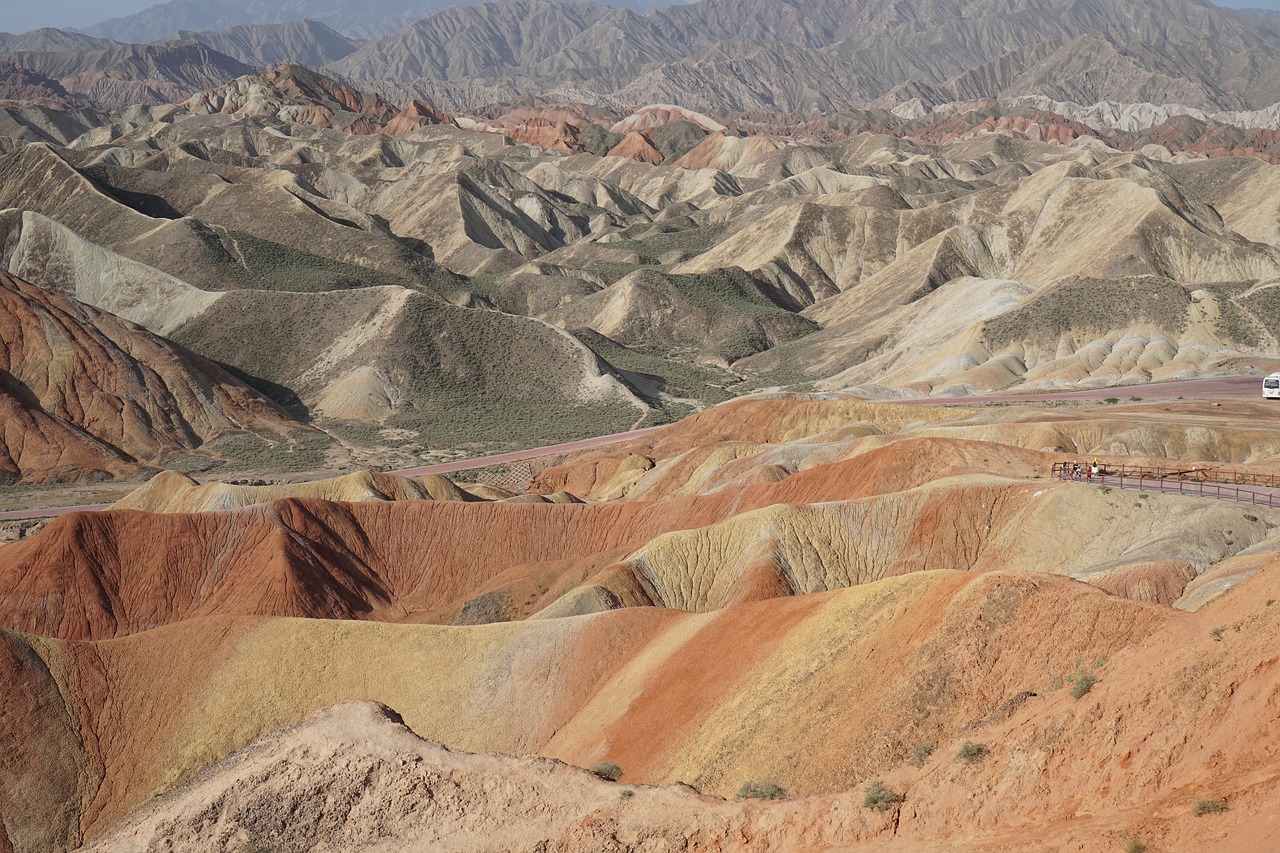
1209, 807
920, 752
764, 789
1082, 684
1082, 678
879, 798
1133, 845
972, 752
1111, 401
608, 771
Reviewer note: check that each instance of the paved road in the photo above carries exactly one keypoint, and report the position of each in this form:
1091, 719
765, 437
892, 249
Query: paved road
442, 468
1222, 388
1229, 388
48, 512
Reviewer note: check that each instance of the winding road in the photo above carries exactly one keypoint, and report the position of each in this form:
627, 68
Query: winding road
1222, 388
440, 468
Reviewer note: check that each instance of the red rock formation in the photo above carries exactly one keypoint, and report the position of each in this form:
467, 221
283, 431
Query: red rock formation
84, 389
552, 135
417, 115
637, 146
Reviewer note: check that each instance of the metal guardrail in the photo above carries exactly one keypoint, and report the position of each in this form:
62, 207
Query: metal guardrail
1169, 482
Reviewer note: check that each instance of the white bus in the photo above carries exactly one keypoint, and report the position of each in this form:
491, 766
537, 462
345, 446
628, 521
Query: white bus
1271, 387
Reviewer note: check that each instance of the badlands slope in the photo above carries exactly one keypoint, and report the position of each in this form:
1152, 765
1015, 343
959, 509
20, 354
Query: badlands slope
729, 614
449, 289
90, 395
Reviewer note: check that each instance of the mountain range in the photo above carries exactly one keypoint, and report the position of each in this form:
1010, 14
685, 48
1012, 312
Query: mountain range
355, 18
819, 55
719, 56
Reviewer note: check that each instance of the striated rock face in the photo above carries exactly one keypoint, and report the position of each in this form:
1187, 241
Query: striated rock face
295, 93
84, 388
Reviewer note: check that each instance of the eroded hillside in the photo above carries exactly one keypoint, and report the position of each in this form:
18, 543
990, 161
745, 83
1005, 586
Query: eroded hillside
724, 610
416, 284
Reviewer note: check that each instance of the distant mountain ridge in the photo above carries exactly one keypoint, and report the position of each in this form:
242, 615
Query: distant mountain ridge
309, 42
821, 55
127, 74
353, 18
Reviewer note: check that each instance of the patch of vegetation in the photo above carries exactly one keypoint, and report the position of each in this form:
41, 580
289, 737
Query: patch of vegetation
1209, 807
973, 752
1235, 322
1265, 305
303, 452
1083, 684
677, 138
626, 793
496, 425
608, 771
677, 378
879, 798
1092, 304
596, 140
655, 241
764, 789
1111, 401
1133, 845
920, 753
257, 264
1081, 679
1216, 633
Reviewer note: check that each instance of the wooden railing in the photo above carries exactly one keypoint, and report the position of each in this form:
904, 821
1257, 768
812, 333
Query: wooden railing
1201, 482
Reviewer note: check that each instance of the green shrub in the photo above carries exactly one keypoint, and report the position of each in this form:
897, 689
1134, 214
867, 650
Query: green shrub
1209, 807
1082, 684
920, 752
879, 798
1133, 845
1081, 680
972, 752
626, 793
608, 771
1111, 401
764, 789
